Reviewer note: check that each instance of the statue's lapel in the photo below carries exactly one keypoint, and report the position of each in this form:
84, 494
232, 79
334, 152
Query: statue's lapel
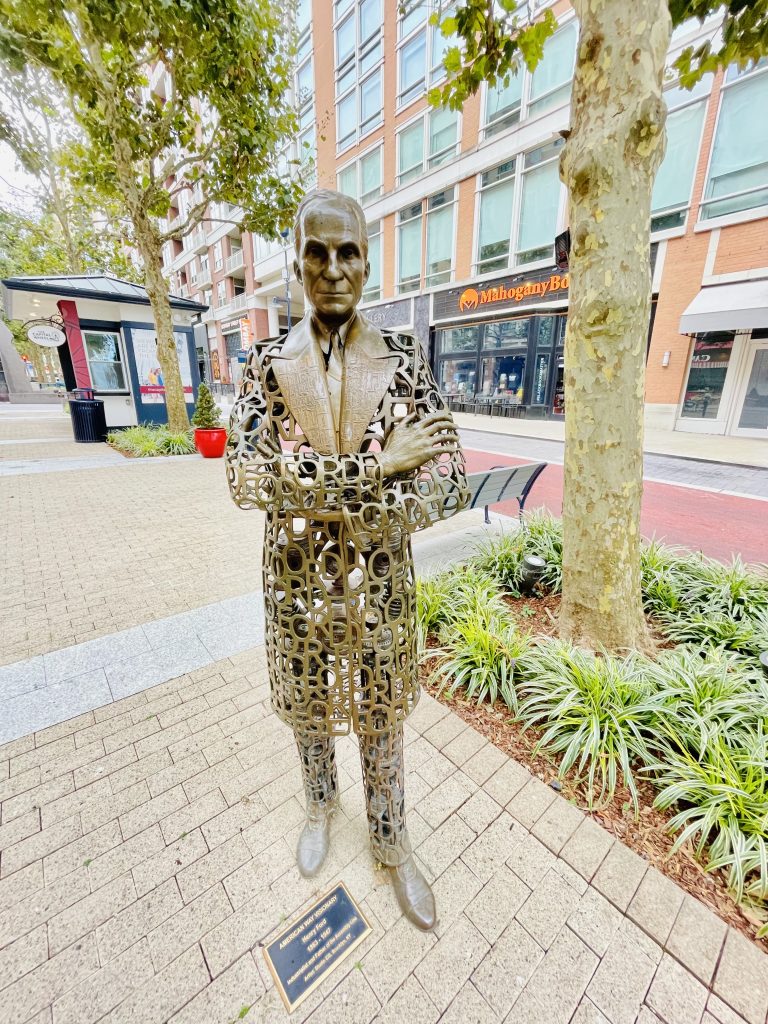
369, 367
300, 373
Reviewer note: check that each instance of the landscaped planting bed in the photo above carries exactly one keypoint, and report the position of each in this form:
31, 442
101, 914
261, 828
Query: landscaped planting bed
148, 441
668, 750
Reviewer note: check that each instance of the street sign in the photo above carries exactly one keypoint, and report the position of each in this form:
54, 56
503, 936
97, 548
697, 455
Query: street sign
48, 337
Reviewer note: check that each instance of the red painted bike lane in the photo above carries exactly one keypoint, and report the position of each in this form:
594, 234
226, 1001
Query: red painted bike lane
720, 525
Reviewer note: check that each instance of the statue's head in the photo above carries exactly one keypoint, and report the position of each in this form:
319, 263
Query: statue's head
331, 242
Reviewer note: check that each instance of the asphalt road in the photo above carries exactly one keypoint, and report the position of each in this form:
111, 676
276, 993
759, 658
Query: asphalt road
711, 507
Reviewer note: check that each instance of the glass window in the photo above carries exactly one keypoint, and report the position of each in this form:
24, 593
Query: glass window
409, 248
739, 165
706, 377
370, 18
410, 152
221, 293
457, 377
459, 339
507, 334
495, 226
413, 61
304, 83
345, 40
502, 377
539, 205
346, 181
443, 135
415, 14
370, 102
754, 412
540, 379
674, 180
439, 238
303, 14
104, 360
439, 44
372, 288
370, 176
502, 104
346, 117
551, 81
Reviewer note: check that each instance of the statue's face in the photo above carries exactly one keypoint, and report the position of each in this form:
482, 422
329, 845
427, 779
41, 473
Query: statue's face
331, 264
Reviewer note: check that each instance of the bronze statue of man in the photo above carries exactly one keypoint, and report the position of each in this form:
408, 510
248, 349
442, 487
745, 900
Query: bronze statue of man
340, 435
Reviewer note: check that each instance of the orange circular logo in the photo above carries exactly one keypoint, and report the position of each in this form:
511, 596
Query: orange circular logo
468, 299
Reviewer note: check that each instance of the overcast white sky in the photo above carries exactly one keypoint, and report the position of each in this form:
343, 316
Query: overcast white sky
14, 183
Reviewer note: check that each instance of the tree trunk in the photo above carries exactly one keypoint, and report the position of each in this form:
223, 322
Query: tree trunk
609, 164
150, 248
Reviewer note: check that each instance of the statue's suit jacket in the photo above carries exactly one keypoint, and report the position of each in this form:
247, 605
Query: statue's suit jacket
339, 585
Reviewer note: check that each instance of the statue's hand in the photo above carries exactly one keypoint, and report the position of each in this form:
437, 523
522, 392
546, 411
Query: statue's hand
410, 444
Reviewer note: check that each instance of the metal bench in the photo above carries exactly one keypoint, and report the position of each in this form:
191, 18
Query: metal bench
502, 483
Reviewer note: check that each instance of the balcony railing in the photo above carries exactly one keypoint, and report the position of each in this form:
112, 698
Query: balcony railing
199, 241
203, 278
235, 261
239, 301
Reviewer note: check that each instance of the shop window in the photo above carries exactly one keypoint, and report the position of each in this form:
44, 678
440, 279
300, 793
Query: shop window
496, 203
503, 376
105, 361
502, 104
674, 180
551, 81
440, 238
754, 411
706, 376
409, 248
459, 339
372, 288
539, 204
457, 377
507, 333
540, 379
738, 171
233, 343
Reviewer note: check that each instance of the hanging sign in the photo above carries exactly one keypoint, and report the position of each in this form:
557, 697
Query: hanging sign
47, 336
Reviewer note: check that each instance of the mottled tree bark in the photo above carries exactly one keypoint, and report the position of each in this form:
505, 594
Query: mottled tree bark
609, 164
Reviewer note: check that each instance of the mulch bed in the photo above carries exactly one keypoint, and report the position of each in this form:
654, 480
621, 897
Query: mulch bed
648, 833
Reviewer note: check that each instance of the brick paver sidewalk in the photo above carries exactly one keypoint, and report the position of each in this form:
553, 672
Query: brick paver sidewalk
147, 852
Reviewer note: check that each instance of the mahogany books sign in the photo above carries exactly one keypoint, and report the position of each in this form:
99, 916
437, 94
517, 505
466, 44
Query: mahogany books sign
503, 294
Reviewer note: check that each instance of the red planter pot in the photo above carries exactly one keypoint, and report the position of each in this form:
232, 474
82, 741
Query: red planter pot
211, 443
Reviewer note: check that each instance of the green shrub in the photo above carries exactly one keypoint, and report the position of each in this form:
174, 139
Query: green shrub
146, 441
207, 415
462, 592
596, 711
717, 629
479, 655
723, 800
541, 534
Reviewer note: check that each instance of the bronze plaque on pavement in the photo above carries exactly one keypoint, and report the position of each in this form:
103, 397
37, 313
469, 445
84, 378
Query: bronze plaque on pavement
306, 952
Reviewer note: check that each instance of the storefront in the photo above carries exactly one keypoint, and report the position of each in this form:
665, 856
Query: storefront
106, 340
726, 389
497, 346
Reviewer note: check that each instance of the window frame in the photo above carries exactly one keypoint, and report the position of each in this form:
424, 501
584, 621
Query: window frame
359, 69
357, 164
415, 280
753, 212
379, 289
429, 279
122, 362
480, 189
426, 166
690, 101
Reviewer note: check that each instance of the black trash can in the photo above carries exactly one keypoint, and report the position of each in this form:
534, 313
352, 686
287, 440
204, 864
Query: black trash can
88, 421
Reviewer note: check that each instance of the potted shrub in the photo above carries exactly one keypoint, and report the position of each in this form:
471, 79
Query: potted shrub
210, 436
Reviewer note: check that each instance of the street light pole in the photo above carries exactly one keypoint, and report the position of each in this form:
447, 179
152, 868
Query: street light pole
284, 236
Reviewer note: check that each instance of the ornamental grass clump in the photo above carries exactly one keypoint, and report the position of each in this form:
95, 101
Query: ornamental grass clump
502, 558
454, 594
596, 711
478, 655
148, 441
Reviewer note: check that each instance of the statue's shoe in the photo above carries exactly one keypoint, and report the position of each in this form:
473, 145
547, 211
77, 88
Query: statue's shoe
414, 895
313, 845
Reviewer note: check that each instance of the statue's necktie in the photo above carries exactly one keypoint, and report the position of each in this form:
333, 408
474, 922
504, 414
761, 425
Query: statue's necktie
334, 350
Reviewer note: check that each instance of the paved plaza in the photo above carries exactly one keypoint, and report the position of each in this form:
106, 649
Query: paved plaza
150, 802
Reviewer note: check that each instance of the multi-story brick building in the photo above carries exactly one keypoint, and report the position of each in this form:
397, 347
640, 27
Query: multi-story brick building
463, 209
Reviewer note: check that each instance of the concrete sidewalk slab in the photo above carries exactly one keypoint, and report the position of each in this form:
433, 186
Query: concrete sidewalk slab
141, 879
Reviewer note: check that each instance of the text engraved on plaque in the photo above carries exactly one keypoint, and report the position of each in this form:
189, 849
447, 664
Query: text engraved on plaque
306, 952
